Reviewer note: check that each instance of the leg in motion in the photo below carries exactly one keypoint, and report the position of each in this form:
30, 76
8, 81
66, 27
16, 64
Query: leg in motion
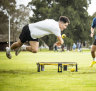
33, 46
17, 47
14, 46
93, 49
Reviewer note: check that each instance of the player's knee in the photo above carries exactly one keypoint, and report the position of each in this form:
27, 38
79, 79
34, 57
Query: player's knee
35, 51
92, 51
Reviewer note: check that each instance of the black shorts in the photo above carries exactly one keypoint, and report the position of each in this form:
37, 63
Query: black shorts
25, 35
94, 43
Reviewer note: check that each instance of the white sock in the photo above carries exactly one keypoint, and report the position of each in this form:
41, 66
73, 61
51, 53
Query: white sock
94, 59
23, 47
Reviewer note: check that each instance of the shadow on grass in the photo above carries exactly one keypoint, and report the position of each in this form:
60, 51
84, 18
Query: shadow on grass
18, 72
35, 72
87, 72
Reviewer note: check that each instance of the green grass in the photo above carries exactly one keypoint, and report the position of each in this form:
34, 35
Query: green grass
20, 73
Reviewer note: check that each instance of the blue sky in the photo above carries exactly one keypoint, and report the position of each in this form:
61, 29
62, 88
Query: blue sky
91, 8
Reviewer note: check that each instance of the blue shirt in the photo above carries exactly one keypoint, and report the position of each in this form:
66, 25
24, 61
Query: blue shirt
94, 23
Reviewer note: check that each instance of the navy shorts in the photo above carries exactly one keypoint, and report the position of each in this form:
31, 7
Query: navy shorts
94, 43
25, 35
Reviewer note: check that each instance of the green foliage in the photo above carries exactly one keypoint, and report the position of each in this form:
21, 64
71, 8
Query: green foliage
68, 42
3, 25
19, 18
9, 7
49, 40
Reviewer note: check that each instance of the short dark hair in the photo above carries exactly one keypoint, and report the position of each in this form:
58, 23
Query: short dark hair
64, 19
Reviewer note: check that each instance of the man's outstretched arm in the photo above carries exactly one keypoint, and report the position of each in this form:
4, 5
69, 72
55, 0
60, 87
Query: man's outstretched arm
60, 41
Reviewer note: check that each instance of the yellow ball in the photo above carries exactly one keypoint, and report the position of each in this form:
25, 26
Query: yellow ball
63, 35
72, 70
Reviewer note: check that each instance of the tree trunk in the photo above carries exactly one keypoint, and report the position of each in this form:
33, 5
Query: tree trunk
50, 47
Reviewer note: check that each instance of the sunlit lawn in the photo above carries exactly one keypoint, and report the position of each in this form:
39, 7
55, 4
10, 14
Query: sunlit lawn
20, 73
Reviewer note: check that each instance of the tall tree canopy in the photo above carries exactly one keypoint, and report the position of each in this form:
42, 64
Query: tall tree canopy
19, 17
6, 7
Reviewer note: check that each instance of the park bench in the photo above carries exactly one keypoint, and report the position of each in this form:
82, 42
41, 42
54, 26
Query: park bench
64, 65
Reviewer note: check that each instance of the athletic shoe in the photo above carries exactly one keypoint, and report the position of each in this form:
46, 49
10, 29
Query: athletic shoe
93, 62
17, 51
8, 53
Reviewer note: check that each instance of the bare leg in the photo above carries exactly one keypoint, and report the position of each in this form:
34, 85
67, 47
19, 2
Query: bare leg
93, 55
16, 44
13, 46
93, 51
33, 46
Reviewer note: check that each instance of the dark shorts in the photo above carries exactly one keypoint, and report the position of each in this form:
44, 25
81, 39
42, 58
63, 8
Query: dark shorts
25, 35
94, 43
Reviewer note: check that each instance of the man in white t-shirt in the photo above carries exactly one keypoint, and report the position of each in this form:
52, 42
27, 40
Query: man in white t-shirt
37, 30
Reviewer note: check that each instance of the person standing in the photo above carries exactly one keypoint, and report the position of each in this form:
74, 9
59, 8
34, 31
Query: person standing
74, 46
93, 48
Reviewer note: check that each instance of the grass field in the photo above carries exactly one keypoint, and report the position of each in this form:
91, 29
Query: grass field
20, 73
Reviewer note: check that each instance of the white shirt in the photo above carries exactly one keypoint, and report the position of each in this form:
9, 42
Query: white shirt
45, 27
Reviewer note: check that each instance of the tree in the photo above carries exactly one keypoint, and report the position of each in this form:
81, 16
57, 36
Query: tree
19, 17
6, 8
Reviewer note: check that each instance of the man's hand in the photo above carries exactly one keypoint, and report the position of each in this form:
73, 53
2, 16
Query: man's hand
60, 41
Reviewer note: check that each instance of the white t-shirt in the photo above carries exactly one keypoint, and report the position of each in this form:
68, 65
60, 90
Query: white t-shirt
45, 27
